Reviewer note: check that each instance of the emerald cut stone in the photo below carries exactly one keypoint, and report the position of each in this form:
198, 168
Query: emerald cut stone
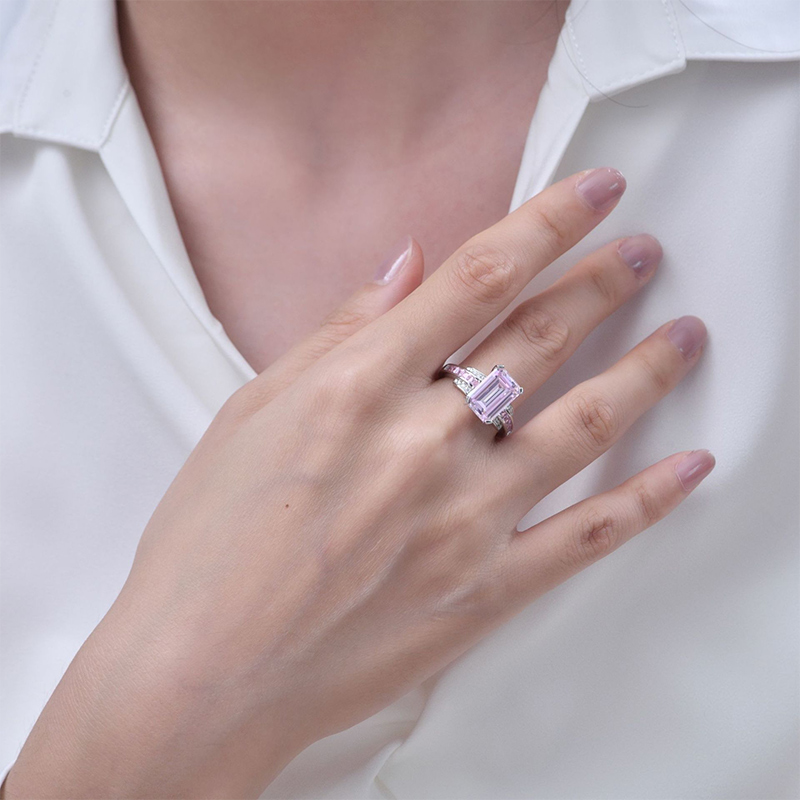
493, 394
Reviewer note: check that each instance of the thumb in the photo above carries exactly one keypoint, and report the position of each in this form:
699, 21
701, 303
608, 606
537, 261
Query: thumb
396, 277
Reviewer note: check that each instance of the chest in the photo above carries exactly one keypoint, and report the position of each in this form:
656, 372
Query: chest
277, 241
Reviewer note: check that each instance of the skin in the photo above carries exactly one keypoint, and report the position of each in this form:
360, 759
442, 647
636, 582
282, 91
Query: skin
300, 140
335, 539
344, 530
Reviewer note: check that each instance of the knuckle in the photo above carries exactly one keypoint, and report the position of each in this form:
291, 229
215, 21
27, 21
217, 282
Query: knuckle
478, 588
602, 280
594, 417
415, 447
551, 227
341, 322
348, 378
480, 597
649, 507
484, 271
423, 432
658, 372
543, 331
343, 385
597, 532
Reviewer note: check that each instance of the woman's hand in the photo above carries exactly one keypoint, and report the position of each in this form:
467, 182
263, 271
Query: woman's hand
346, 527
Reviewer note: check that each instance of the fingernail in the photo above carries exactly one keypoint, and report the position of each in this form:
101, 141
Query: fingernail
688, 335
600, 188
693, 468
641, 253
394, 261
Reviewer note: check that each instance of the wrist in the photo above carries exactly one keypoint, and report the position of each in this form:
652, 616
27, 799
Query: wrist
136, 715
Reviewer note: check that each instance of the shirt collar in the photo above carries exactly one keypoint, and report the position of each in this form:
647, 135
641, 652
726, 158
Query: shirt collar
62, 77
617, 44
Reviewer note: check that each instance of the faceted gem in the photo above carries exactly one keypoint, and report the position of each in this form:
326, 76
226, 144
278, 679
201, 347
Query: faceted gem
493, 394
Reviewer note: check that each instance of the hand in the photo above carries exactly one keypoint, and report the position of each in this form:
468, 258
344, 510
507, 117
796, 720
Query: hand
346, 527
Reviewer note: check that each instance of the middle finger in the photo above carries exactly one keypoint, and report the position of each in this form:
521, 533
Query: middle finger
486, 273
542, 333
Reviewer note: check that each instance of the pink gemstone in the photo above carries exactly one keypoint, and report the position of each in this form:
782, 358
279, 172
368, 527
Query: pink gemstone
493, 394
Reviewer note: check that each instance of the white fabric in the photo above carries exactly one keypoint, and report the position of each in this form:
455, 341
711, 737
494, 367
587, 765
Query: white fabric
670, 669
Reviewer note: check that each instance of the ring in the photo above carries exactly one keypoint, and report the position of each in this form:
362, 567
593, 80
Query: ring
489, 396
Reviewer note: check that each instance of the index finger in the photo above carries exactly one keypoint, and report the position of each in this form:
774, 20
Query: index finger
490, 269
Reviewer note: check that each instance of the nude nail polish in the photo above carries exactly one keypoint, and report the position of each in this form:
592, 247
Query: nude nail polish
394, 261
641, 253
601, 188
693, 468
688, 335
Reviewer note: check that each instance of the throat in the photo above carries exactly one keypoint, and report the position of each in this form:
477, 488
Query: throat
294, 164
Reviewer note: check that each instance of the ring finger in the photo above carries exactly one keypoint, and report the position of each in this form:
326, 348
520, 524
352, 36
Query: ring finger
539, 335
573, 431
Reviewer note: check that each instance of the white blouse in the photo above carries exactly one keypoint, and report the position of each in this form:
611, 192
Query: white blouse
668, 670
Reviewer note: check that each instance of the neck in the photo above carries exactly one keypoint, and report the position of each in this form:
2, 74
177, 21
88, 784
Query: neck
335, 70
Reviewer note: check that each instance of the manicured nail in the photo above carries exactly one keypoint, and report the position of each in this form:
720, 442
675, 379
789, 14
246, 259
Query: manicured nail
600, 188
688, 335
394, 261
693, 468
641, 253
